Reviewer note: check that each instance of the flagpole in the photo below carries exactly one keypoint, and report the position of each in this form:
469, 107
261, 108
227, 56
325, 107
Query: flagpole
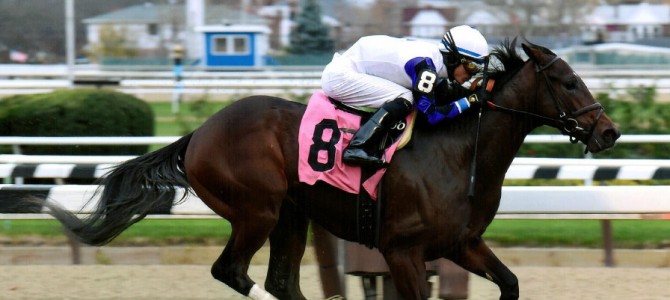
69, 40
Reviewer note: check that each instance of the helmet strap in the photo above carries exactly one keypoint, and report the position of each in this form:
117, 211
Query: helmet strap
451, 62
452, 58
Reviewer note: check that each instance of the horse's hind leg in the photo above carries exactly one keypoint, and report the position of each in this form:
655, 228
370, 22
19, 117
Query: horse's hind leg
287, 246
256, 214
232, 265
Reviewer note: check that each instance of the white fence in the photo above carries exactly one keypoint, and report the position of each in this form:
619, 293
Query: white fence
59, 166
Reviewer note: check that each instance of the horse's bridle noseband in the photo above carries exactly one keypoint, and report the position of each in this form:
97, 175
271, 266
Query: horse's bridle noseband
567, 122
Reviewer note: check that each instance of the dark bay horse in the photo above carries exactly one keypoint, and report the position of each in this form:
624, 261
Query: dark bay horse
243, 163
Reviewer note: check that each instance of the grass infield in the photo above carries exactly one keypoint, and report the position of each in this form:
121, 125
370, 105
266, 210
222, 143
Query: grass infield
634, 234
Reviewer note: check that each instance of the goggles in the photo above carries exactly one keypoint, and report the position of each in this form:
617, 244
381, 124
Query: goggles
470, 66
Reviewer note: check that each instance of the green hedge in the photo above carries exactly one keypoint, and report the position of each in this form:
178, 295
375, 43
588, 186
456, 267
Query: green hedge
82, 112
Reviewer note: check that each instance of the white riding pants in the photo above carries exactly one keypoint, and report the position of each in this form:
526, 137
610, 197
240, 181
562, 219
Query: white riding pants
342, 82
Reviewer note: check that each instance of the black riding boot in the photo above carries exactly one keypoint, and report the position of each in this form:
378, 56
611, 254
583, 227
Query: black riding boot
362, 148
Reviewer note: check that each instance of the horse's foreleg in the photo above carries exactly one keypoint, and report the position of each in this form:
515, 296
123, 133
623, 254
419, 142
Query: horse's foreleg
408, 271
287, 246
479, 259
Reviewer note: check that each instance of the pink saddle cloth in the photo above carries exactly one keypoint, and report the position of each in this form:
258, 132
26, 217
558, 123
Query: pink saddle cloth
324, 133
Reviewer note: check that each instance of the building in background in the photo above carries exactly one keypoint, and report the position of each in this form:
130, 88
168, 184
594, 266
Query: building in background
234, 45
553, 24
633, 23
151, 30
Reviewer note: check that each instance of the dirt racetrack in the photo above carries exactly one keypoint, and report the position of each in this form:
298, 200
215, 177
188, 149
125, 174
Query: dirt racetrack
194, 282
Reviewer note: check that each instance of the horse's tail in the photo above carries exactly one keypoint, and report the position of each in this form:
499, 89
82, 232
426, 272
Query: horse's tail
128, 193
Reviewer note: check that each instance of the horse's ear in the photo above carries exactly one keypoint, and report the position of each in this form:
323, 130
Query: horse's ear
535, 52
531, 50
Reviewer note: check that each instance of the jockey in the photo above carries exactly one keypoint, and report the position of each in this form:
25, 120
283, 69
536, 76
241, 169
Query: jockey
395, 74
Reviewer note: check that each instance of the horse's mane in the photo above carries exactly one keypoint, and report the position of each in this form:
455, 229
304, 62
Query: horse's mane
505, 62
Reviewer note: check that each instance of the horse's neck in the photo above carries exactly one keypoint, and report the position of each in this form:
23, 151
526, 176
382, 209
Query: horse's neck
501, 137
502, 133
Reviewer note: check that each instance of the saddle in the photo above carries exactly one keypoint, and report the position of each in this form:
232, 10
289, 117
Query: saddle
325, 130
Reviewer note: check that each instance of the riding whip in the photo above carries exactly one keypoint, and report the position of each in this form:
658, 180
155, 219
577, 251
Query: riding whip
473, 164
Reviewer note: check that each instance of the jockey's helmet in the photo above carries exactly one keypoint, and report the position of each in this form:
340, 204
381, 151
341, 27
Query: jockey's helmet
464, 45
467, 42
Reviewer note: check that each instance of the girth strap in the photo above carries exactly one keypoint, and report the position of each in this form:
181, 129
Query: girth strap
368, 215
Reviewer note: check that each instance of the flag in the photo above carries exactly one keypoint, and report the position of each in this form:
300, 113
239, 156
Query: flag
18, 56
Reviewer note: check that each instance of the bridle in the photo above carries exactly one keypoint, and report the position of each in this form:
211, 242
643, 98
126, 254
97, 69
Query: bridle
567, 122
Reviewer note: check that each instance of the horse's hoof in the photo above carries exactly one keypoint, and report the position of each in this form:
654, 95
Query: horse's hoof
336, 297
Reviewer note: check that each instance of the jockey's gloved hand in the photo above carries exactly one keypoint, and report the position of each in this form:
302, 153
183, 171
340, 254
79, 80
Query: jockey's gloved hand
480, 96
454, 109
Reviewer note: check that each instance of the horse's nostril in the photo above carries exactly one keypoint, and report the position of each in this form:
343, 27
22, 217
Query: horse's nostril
610, 135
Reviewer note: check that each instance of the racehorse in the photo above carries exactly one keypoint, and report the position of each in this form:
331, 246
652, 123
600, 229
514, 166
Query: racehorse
242, 163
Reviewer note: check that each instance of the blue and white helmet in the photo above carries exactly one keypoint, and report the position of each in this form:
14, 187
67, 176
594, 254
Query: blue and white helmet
467, 41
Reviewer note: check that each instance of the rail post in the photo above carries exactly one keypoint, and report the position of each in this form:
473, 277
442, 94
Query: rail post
177, 55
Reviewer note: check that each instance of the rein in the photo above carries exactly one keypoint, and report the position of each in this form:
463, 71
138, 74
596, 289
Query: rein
567, 122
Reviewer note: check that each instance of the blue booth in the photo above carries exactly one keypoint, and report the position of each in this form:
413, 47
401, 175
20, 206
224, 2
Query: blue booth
235, 45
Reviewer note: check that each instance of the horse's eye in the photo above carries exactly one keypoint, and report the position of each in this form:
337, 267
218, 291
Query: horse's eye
570, 85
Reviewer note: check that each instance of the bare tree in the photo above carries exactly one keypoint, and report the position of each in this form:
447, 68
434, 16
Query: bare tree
113, 43
35, 26
531, 17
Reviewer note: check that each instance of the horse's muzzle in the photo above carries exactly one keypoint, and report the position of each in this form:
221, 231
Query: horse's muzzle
603, 139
